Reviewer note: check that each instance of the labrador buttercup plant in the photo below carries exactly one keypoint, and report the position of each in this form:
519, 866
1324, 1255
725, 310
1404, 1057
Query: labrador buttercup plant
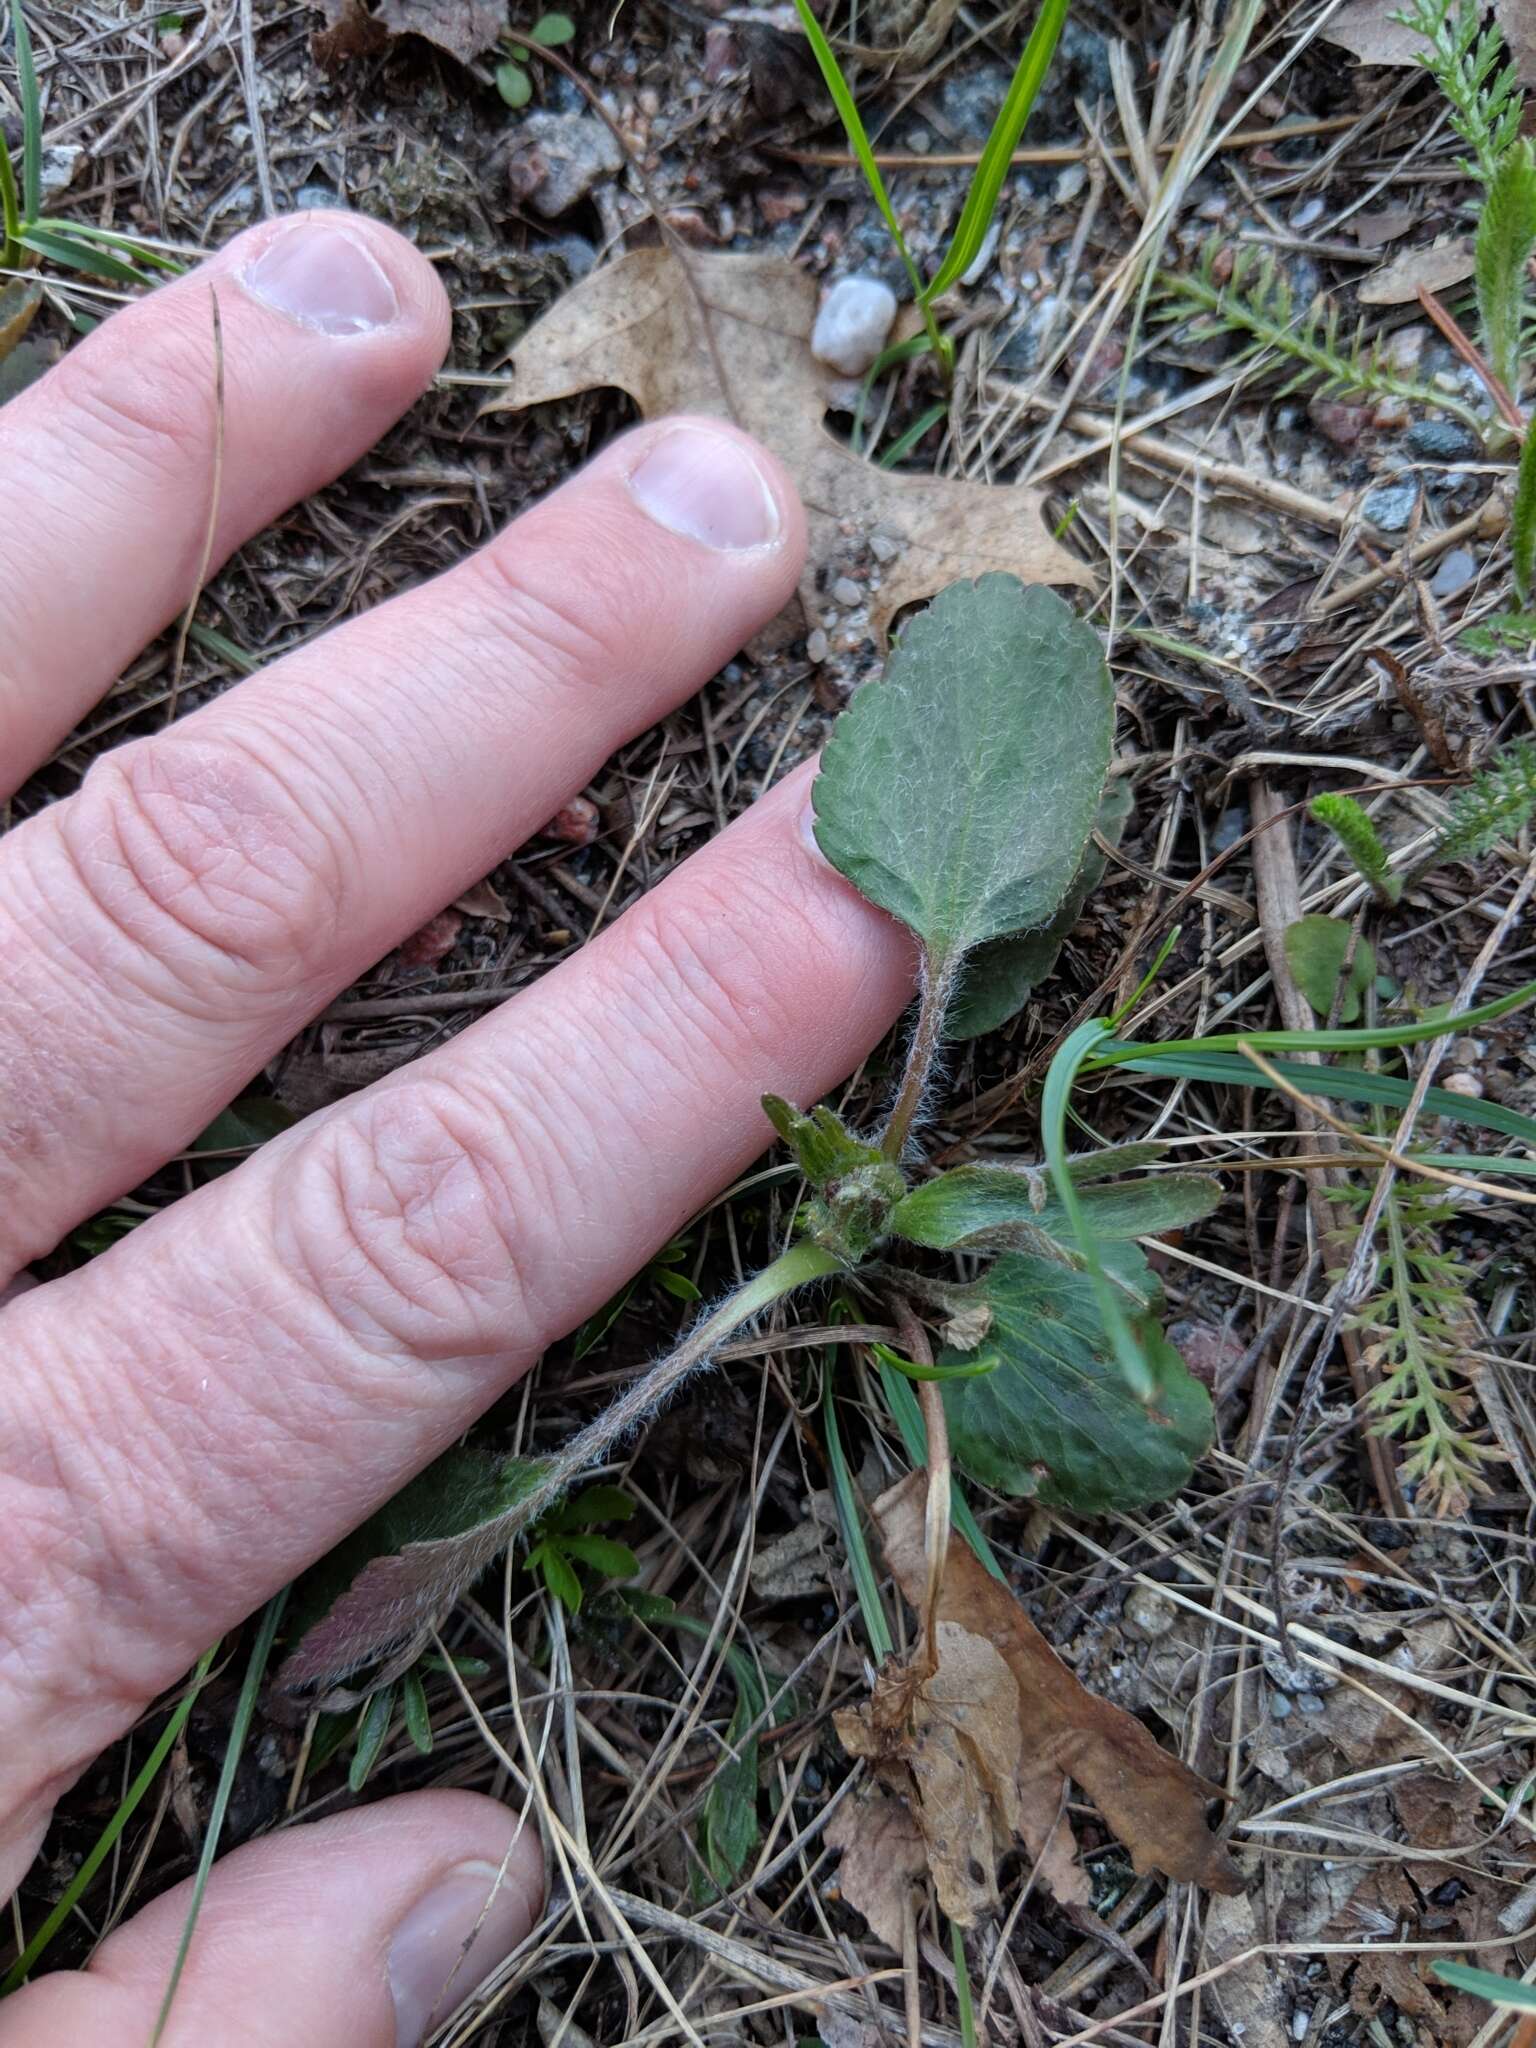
960, 794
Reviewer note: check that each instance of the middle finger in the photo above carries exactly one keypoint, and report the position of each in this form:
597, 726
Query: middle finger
165, 930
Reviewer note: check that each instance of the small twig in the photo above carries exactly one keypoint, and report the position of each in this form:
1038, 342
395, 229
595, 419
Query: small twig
1055, 153
249, 76
1474, 358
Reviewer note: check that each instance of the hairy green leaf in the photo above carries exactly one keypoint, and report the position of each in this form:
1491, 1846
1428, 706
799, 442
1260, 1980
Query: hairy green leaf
391, 1577
1315, 951
1506, 235
822, 1144
729, 1826
959, 792
978, 1204
1056, 1419
593, 1504
1085, 1167
603, 1553
999, 978
558, 1574
417, 1714
372, 1729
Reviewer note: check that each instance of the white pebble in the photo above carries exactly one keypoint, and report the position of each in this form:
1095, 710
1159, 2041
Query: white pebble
847, 593
816, 646
883, 548
854, 319
1462, 1084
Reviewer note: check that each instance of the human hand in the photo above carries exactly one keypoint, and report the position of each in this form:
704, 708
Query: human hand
189, 1420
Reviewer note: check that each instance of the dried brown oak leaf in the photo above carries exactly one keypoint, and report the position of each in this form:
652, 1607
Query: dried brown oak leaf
639, 325
1517, 18
1436, 266
1368, 30
883, 1856
466, 29
1154, 1803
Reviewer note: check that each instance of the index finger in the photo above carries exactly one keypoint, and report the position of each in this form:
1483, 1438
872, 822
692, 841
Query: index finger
192, 1418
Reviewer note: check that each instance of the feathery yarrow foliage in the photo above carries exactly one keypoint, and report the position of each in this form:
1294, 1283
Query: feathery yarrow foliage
1464, 59
1498, 804
1418, 1331
1257, 304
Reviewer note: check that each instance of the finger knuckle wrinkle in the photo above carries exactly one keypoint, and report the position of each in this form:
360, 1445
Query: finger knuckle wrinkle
197, 854
405, 1218
711, 969
151, 414
563, 636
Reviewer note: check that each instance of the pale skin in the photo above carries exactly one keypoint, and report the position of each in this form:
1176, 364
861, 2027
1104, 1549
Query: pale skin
192, 1418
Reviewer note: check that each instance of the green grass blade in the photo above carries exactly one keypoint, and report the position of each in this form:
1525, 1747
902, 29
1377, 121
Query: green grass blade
888, 358
963, 2006
73, 254
10, 217
866, 1580
372, 1733
987, 183
905, 442
31, 116
1522, 519
853, 125
107, 1840
858, 141
239, 1729
1356, 1040
1509, 1993
1053, 1136
209, 638
1338, 1084
129, 245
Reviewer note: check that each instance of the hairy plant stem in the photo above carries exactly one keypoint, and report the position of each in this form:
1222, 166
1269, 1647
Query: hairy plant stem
938, 985
654, 1387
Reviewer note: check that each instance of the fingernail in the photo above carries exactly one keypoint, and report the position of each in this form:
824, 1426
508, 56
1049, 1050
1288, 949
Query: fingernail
707, 486
324, 279
430, 1973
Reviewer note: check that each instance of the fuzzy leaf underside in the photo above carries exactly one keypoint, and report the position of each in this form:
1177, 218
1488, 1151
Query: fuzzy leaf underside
1055, 1419
1000, 977
958, 793
970, 1202
405, 1565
